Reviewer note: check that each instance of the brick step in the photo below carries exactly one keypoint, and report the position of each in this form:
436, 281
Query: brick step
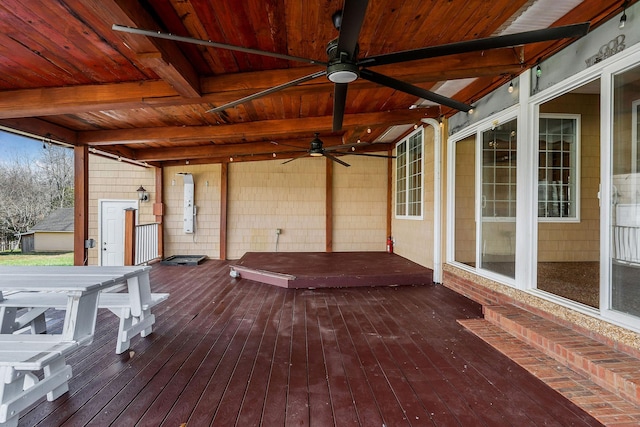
611, 369
606, 406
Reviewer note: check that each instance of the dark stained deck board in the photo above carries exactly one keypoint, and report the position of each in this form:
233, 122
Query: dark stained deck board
237, 352
163, 365
379, 371
223, 356
203, 365
320, 409
250, 413
362, 394
547, 409
339, 388
297, 408
275, 401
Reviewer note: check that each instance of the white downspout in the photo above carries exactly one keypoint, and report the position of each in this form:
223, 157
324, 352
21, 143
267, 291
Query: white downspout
437, 199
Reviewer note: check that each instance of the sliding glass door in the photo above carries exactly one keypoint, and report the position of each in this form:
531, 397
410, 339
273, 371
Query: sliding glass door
498, 215
625, 194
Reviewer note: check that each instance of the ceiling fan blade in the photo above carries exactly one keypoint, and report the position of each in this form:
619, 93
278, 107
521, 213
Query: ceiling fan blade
345, 146
295, 158
507, 40
413, 90
337, 160
352, 18
289, 145
339, 101
371, 155
209, 43
267, 91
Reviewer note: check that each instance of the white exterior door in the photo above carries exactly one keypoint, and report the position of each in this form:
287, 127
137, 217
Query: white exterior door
112, 230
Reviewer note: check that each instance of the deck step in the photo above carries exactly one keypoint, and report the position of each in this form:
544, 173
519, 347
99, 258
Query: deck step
614, 370
608, 407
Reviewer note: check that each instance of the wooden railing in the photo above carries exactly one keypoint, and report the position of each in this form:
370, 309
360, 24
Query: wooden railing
141, 242
146, 243
626, 244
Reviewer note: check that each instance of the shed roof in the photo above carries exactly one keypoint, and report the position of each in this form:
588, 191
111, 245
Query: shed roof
58, 220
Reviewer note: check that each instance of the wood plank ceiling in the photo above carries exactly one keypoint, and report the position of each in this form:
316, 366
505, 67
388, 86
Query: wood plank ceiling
66, 75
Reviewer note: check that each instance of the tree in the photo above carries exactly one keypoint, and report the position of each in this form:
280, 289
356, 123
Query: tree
56, 165
30, 190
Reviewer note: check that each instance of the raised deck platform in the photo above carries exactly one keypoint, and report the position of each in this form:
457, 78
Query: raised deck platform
331, 269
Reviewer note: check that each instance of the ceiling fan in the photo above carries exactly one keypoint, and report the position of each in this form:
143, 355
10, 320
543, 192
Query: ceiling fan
316, 149
343, 65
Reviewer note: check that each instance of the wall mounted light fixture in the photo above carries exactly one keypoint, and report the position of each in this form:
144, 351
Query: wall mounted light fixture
143, 196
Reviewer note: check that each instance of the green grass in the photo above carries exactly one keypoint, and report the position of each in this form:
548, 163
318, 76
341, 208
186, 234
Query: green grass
36, 258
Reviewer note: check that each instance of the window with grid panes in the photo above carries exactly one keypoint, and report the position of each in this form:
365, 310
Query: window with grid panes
557, 166
409, 166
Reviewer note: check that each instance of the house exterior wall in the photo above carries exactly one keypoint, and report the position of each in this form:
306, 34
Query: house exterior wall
205, 240
575, 66
265, 196
413, 238
262, 197
360, 204
53, 241
110, 179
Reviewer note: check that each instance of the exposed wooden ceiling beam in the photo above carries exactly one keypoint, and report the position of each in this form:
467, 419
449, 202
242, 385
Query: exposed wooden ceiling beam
79, 99
249, 130
162, 56
247, 151
42, 129
225, 88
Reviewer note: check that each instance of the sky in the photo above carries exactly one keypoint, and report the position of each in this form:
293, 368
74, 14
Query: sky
15, 146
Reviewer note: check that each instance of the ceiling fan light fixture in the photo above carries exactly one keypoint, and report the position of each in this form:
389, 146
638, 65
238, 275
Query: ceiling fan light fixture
342, 72
315, 153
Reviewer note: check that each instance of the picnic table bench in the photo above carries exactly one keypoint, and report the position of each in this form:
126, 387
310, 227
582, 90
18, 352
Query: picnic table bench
20, 357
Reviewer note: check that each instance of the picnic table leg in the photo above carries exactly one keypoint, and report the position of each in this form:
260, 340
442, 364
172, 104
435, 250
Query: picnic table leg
124, 339
10, 387
57, 367
21, 389
80, 320
7, 320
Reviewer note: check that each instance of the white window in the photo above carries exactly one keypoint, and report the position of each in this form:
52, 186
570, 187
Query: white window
558, 171
409, 176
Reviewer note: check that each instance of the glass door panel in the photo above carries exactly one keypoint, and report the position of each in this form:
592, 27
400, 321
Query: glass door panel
625, 199
465, 185
498, 215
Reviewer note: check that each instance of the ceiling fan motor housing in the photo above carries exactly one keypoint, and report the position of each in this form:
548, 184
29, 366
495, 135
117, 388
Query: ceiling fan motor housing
341, 68
316, 147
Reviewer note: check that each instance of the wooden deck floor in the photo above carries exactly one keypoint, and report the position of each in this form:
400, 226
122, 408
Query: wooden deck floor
227, 353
